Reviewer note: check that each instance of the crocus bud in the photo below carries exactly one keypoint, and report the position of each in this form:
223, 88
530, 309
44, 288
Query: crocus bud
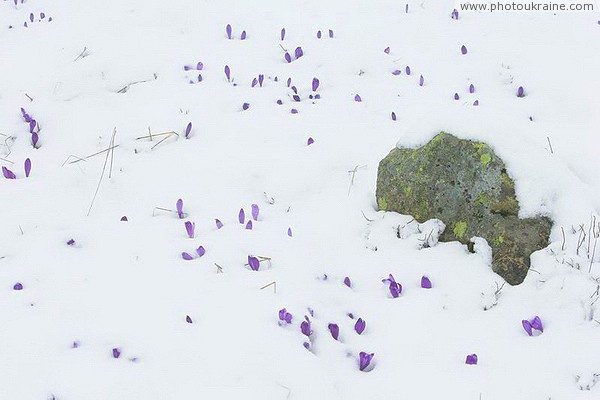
249, 225
255, 211
364, 359
8, 174
471, 88
189, 228
421, 81
188, 319
186, 256
218, 223
318, 34
536, 323
18, 286
387, 50
471, 359
179, 206
463, 50
305, 327
330, 33
456, 96
282, 33
310, 141
360, 326
347, 282
27, 167
298, 52
407, 70
287, 57
116, 353
396, 72
425, 282
245, 106
243, 35
188, 130
357, 98
228, 31
315, 84
242, 216
253, 263
34, 139
527, 326
334, 329
200, 251
520, 92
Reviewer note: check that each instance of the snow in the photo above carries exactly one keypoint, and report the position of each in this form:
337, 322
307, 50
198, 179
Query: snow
124, 284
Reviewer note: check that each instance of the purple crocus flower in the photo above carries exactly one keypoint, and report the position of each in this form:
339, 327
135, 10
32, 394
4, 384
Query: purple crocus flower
536, 323
471, 88
255, 211
347, 282
218, 223
261, 78
228, 31
331, 33
527, 326
287, 57
289, 82
360, 326
242, 216
306, 345
27, 167
70, 242
334, 329
296, 97
357, 98
228, 73
463, 49
310, 141
454, 14
315, 84
471, 359
318, 34
520, 92
421, 81
8, 174
282, 33
189, 228
186, 256
456, 96
305, 327
364, 359
179, 206
18, 286
245, 106
31, 17
425, 282
294, 89
386, 50
188, 130
253, 263
199, 77
393, 116
200, 251
188, 319
249, 225
476, 103
407, 70
279, 102
285, 316
199, 66
116, 353
406, 8
298, 52
289, 232
25, 115
396, 72
294, 111
34, 139
124, 218
243, 35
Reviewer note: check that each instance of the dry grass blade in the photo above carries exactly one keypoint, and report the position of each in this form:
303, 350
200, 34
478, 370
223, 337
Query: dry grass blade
102, 175
90, 156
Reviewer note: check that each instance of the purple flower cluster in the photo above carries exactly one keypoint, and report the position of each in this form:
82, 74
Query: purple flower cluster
34, 128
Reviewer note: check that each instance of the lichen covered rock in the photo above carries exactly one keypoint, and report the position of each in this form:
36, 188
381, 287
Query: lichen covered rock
466, 185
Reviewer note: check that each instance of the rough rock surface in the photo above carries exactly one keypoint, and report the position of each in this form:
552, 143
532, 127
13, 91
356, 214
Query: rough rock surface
464, 184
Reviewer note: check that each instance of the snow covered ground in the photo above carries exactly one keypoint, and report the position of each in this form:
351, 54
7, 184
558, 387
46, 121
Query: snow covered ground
124, 285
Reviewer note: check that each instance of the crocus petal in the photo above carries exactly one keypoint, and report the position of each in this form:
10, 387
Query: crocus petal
249, 224
396, 72
347, 282
463, 50
527, 326
227, 72
407, 70
471, 88
305, 327
282, 33
287, 57
298, 52
520, 92
27, 167
34, 139
310, 141
186, 256
199, 66
228, 31
536, 323
18, 286
242, 216
421, 81
32, 125
471, 359
188, 129
330, 33
386, 50
243, 35
456, 96
393, 116
116, 352
218, 223
124, 218
188, 319
289, 232
357, 98
200, 251
261, 79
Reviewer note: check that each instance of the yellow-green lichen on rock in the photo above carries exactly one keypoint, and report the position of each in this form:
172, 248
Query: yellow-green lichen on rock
466, 185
